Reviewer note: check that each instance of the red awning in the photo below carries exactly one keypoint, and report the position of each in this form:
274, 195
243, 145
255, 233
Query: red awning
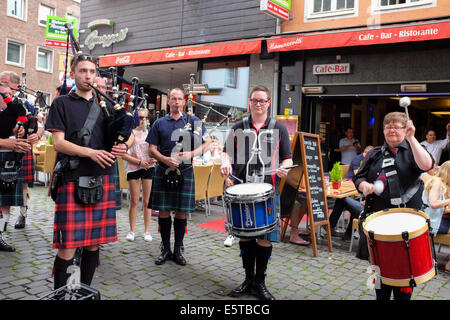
404, 33
182, 53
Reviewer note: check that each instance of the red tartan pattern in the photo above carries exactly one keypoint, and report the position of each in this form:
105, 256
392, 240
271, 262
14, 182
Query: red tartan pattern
27, 170
79, 225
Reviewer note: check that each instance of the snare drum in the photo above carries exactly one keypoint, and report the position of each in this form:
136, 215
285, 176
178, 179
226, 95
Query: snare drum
251, 209
400, 245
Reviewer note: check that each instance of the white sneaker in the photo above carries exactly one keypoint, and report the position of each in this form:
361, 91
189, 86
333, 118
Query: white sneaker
148, 237
229, 241
130, 236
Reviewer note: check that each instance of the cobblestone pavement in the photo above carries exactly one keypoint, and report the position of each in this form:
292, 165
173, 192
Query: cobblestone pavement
127, 270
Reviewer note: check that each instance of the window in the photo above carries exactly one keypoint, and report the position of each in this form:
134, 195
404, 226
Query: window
15, 53
16, 8
399, 4
230, 77
44, 60
332, 5
315, 9
45, 11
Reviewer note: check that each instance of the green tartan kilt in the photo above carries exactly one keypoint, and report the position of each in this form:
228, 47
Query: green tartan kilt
14, 198
180, 201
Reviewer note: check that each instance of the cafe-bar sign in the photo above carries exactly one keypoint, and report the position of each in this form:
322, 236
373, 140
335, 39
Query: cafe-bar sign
276, 8
334, 68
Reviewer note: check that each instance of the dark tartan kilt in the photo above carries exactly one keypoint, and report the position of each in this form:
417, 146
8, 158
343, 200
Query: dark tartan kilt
179, 201
15, 198
27, 171
117, 185
78, 225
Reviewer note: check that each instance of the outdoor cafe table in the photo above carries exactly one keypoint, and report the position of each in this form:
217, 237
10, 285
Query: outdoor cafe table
347, 189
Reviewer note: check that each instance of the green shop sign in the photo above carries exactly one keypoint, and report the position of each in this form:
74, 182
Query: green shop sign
283, 3
55, 29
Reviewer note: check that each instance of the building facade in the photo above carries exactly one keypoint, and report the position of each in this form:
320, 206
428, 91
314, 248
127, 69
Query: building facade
347, 63
22, 41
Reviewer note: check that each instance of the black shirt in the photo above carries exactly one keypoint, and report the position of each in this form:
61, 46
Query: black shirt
274, 150
407, 170
68, 114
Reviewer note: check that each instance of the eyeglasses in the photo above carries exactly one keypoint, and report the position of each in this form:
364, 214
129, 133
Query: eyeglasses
142, 118
256, 101
393, 128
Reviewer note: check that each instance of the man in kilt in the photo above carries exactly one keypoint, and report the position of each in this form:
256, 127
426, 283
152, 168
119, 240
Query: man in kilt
256, 251
76, 223
27, 169
11, 152
163, 138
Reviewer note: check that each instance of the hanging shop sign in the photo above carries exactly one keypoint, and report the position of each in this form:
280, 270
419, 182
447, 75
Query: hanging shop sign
409, 33
334, 68
56, 32
276, 8
105, 40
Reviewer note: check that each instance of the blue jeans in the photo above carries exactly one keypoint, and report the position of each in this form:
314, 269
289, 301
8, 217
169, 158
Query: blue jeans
353, 206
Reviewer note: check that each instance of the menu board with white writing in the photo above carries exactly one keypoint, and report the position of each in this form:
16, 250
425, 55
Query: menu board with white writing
315, 176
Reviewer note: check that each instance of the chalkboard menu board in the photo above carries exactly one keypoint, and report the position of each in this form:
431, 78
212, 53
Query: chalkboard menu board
314, 176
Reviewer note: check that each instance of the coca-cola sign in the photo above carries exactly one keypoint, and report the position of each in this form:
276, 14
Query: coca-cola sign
123, 60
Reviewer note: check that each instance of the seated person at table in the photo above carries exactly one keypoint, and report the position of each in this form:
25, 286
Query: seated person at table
299, 210
436, 196
356, 163
353, 206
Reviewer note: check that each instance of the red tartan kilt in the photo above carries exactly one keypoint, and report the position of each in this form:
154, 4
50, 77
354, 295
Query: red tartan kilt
79, 225
27, 170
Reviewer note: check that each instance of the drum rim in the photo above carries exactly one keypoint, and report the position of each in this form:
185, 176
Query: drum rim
406, 282
242, 198
396, 237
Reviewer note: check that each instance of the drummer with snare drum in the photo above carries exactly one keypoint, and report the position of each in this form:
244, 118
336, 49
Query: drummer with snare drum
259, 162
389, 177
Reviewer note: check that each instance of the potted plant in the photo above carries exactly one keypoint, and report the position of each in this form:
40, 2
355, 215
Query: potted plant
336, 175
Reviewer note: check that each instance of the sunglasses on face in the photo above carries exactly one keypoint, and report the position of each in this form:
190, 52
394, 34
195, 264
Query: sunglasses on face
142, 118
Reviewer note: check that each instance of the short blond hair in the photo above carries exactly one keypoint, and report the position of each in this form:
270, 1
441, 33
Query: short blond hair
395, 117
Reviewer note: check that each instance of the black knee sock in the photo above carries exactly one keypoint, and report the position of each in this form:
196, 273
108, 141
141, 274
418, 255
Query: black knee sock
179, 229
89, 262
248, 253
262, 258
165, 225
60, 272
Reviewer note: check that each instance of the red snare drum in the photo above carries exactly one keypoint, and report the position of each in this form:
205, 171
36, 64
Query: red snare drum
389, 233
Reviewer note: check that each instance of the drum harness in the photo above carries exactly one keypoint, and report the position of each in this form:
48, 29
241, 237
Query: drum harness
398, 199
256, 152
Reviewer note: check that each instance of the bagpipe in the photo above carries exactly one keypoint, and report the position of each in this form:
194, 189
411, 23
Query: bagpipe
120, 120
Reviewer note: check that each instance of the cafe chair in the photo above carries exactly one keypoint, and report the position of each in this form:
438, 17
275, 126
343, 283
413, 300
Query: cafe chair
201, 177
215, 184
47, 164
123, 179
442, 239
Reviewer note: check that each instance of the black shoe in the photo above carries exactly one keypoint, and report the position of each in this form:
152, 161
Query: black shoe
20, 223
260, 291
178, 258
244, 288
165, 255
6, 247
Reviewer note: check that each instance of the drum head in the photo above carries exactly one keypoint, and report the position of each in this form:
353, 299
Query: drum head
246, 189
386, 224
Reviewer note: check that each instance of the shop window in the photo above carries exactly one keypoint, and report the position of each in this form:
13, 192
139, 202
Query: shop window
400, 4
329, 8
228, 84
15, 53
16, 9
44, 60
45, 11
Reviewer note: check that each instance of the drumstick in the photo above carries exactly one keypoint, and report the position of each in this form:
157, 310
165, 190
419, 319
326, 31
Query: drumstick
236, 178
404, 103
287, 167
